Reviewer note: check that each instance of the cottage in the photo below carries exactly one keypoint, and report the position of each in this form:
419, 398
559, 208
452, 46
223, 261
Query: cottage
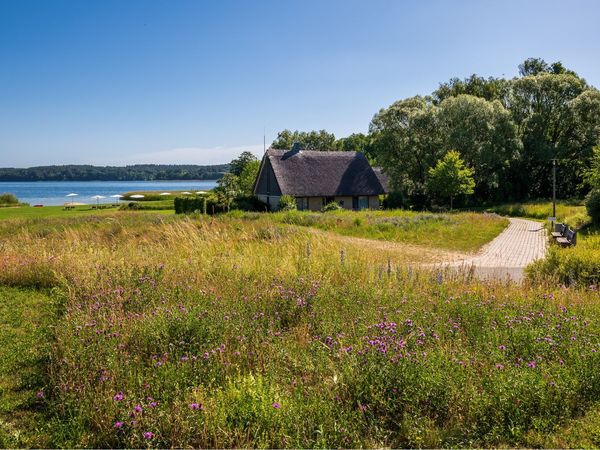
316, 178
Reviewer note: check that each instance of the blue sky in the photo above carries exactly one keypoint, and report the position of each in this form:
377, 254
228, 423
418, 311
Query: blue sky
119, 82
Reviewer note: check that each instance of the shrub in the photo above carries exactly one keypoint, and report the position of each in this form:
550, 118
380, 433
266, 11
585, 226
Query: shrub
287, 203
249, 203
333, 206
8, 199
575, 265
592, 204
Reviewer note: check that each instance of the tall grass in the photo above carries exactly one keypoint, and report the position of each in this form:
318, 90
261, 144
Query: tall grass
229, 332
571, 212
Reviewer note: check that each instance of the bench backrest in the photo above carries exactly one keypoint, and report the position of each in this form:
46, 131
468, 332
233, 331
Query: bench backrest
560, 228
570, 235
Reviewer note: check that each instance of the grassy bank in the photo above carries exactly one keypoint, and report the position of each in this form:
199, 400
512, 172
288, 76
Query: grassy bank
232, 332
571, 212
461, 231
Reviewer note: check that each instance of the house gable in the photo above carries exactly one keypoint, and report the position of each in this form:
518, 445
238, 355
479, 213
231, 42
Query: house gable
266, 182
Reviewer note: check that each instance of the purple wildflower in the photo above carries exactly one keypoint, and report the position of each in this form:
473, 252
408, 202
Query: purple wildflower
276, 405
531, 364
196, 406
502, 347
118, 424
137, 409
40, 394
118, 397
148, 435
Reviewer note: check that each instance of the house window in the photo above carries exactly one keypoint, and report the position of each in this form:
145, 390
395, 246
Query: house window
302, 203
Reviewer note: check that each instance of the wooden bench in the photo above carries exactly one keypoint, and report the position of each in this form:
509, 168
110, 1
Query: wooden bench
559, 229
564, 235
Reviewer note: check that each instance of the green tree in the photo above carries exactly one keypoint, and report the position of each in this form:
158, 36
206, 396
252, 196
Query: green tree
227, 190
247, 177
450, 177
356, 142
236, 166
592, 173
554, 114
308, 140
490, 89
487, 137
406, 142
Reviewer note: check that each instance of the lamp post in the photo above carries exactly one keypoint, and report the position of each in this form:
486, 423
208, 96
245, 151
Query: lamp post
554, 188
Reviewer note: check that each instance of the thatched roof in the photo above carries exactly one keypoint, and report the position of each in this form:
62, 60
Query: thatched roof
308, 173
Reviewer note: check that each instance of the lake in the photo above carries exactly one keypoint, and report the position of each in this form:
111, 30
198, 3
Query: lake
54, 192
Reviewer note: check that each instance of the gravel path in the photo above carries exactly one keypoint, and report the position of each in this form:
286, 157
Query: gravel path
521, 243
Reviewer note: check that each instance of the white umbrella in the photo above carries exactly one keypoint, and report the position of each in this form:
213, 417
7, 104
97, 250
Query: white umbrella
117, 196
72, 195
98, 197
137, 196
186, 193
165, 193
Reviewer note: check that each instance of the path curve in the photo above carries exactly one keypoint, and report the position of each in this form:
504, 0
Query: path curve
521, 243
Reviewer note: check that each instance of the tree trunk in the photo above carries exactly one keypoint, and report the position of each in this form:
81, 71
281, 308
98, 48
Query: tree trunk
450, 203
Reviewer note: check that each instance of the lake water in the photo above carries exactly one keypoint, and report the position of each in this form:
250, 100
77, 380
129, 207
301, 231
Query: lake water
55, 192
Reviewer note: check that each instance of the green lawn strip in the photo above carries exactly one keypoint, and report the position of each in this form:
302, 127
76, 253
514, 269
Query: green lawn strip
59, 211
25, 320
465, 232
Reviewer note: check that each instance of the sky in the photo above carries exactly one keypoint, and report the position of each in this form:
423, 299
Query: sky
117, 82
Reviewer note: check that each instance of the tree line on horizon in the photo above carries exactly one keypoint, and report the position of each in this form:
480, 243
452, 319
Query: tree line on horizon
507, 131
137, 172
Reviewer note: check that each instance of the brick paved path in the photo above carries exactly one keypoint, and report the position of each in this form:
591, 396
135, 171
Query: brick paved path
521, 243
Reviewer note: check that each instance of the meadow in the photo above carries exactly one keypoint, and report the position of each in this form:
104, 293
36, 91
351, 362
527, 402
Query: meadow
159, 330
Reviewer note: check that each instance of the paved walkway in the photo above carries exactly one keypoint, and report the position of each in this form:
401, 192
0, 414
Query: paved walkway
521, 243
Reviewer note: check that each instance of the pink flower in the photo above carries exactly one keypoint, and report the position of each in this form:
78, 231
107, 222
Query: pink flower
118, 424
118, 397
137, 409
148, 435
196, 406
276, 405
40, 394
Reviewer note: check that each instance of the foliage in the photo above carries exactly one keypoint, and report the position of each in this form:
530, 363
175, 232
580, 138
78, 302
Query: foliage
486, 137
228, 188
238, 165
331, 206
287, 203
592, 205
142, 172
578, 265
507, 130
450, 178
8, 199
356, 142
308, 140
592, 173
248, 176
206, 204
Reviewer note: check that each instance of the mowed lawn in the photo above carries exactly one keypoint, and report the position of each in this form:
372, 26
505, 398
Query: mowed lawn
59, 211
